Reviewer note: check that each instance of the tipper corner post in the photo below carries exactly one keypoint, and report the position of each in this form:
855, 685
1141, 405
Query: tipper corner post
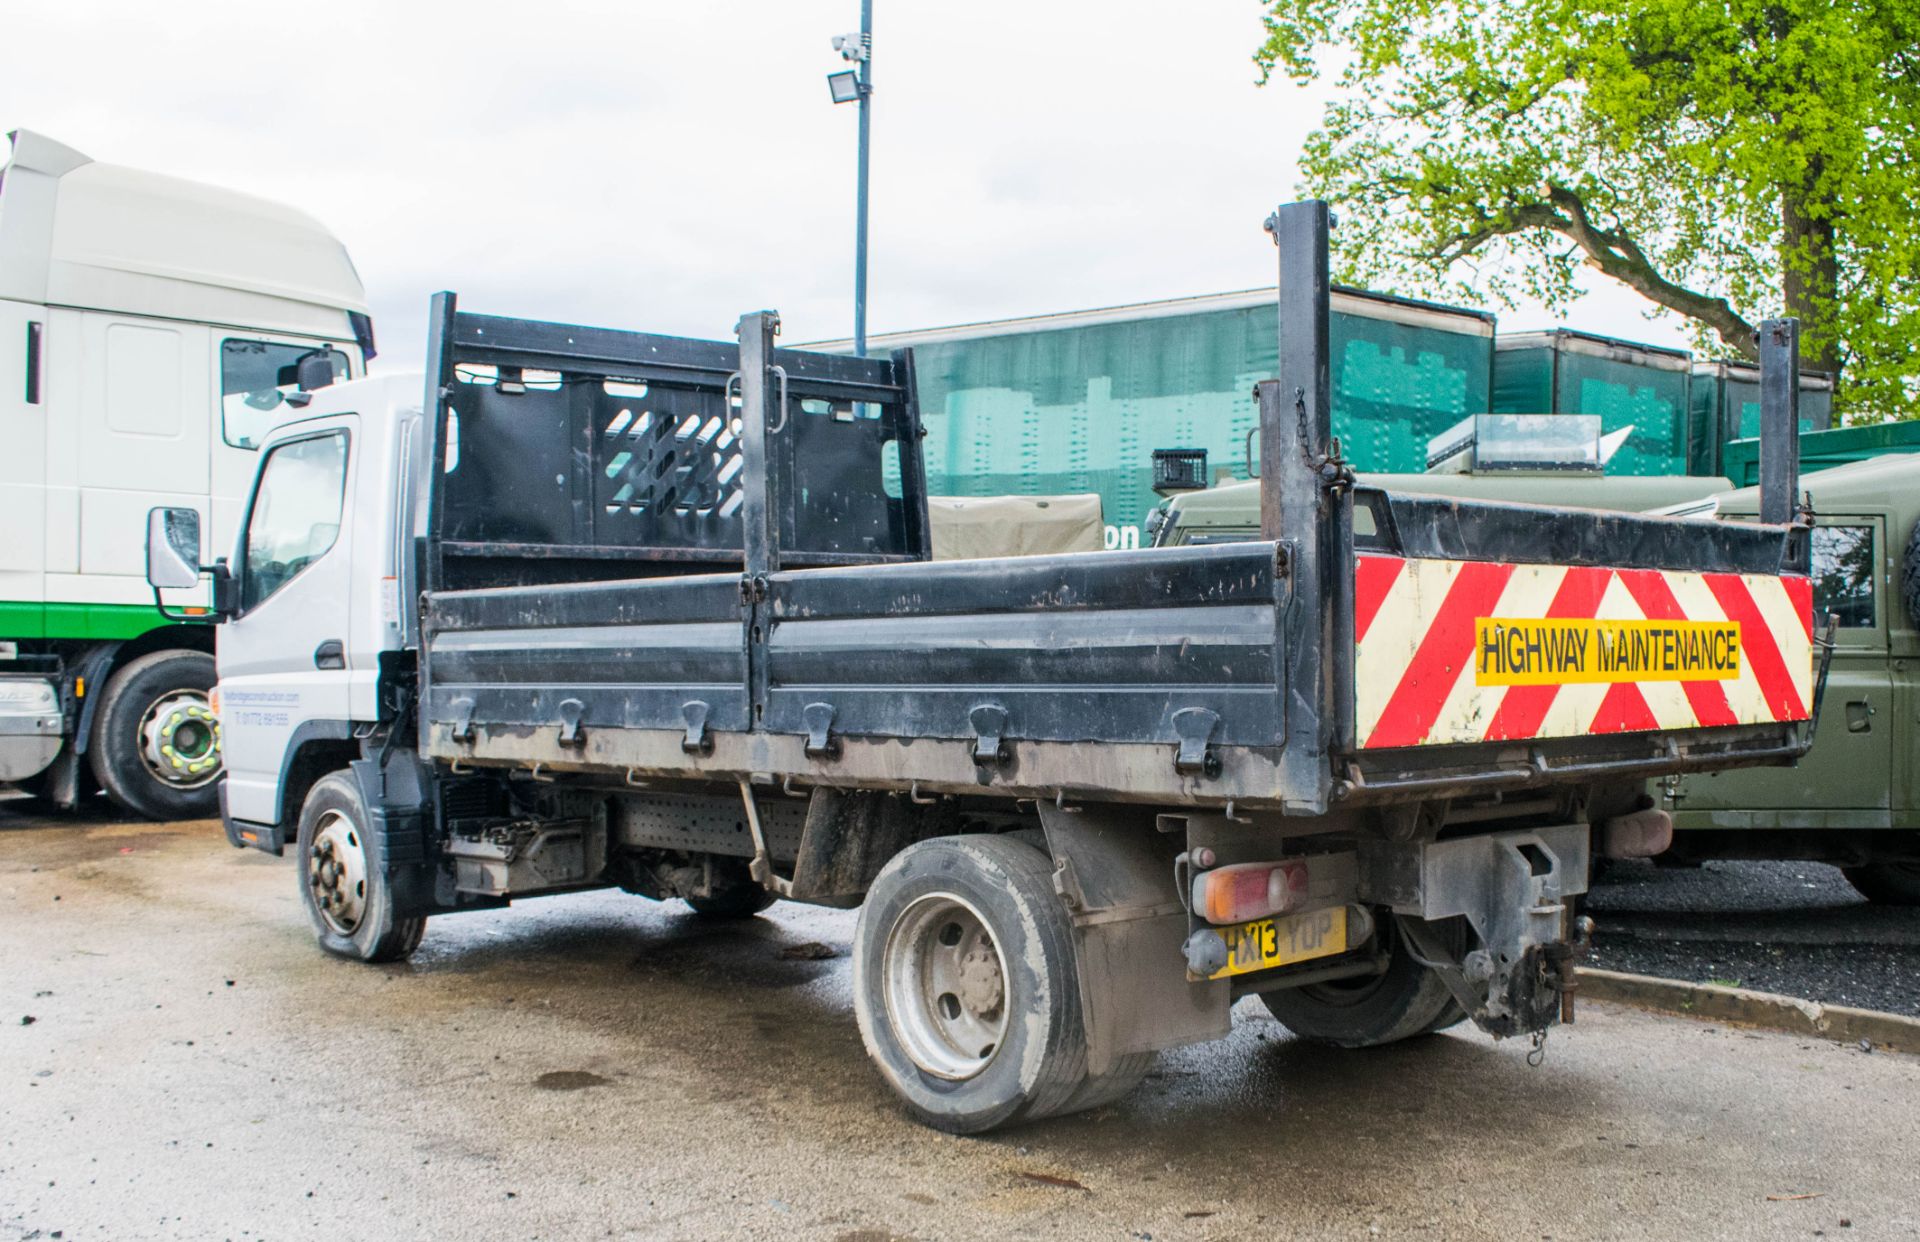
1779, 344
1306, 510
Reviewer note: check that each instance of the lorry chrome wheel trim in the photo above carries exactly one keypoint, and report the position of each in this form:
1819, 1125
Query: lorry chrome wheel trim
945, 985
180, 739
337, 872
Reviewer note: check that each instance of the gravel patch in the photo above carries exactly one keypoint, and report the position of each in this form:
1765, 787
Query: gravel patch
1794, 928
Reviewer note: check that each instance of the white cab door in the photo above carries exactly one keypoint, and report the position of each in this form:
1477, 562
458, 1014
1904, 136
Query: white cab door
283, 661
142, 436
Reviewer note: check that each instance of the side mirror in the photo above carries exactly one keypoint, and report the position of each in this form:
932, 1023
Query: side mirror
315, 371
173, 548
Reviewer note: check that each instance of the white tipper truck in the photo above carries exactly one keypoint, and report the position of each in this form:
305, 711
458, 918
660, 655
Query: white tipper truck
591, 608
150, 327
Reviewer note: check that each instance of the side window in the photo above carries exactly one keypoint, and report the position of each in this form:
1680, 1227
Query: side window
255, 377
1843, 575
295, 516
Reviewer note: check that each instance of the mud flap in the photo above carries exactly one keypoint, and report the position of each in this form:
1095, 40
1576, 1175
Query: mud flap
397, 803
850, 834
1114, 871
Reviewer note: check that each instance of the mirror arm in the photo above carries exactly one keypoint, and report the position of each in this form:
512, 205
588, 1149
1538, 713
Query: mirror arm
221, 575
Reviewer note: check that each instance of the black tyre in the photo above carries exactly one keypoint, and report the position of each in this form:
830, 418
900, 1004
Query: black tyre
967, 992
735, 901
1886, 883
1407, 1000
345, 892
155, 747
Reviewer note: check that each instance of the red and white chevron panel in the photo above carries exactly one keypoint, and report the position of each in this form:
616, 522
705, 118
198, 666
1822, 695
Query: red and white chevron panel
1472, 651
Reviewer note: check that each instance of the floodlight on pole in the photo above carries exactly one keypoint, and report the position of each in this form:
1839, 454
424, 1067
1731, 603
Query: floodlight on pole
845, 86
855, 85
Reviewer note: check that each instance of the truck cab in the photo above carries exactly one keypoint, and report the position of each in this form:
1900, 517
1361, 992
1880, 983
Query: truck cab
321, 562
150, 332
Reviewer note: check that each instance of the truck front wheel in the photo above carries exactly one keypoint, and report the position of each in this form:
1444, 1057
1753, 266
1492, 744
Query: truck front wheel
967, 992
345, 891
155, 747
1886, 883
1405, 1000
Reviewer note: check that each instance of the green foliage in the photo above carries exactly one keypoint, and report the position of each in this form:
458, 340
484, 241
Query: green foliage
1729, 159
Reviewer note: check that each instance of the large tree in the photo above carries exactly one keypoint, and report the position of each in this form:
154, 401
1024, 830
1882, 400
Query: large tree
1728, 159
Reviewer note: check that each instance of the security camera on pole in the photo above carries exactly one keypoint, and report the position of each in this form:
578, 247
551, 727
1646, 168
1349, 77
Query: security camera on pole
850, 86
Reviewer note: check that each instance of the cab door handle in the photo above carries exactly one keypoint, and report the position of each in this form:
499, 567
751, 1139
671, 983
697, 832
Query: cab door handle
330, 654
1859, 716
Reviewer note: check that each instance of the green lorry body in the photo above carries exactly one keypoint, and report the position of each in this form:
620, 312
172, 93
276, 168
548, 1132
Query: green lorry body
1627, 385
1078, 403
1725, 406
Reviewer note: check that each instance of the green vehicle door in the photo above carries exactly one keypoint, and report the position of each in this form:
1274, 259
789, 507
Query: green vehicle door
1846, 780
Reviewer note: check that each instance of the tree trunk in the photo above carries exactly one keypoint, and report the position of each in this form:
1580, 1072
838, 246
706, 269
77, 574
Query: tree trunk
1810, 279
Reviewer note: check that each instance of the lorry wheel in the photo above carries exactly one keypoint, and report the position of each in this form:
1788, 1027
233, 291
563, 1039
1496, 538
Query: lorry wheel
347, 896
1407, 1000
156, 744
1886, 883
967, 992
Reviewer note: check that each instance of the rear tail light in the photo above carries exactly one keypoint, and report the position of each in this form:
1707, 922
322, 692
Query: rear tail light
1250, 891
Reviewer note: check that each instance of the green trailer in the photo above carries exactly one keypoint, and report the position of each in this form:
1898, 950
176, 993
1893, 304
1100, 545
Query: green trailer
1724, 406
1077, 402
1645, 387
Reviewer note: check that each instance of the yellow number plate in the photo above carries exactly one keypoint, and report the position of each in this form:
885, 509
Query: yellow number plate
1266, 943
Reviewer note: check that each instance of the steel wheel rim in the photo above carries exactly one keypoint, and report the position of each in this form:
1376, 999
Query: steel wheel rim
944, 981
337, 872
180, 739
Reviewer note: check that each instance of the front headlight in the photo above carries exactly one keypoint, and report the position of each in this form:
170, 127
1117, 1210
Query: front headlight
21, 697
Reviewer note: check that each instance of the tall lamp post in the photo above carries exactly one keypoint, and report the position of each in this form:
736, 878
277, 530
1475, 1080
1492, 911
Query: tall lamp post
855, 85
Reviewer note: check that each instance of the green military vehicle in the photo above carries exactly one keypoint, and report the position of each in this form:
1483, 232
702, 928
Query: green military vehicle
1855, 800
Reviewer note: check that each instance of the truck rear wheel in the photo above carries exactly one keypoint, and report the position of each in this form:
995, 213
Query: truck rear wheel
967, 991
342, 885
1886, 883
155, 747
736, 901
1406, 1000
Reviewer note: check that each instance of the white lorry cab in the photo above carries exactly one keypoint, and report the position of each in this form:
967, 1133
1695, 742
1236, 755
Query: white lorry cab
150, 330
320, 570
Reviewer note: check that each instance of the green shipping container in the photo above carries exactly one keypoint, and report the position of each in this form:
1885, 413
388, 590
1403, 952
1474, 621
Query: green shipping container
1567, 372
1078, 402
1725, 406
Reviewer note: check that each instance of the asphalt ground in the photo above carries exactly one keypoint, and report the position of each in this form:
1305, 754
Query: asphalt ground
1794, 928
600, 1066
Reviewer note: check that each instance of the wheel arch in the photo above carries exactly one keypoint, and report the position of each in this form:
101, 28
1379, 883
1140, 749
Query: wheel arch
317, 747
97, 663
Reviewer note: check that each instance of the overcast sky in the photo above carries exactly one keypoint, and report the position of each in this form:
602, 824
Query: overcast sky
668, 166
